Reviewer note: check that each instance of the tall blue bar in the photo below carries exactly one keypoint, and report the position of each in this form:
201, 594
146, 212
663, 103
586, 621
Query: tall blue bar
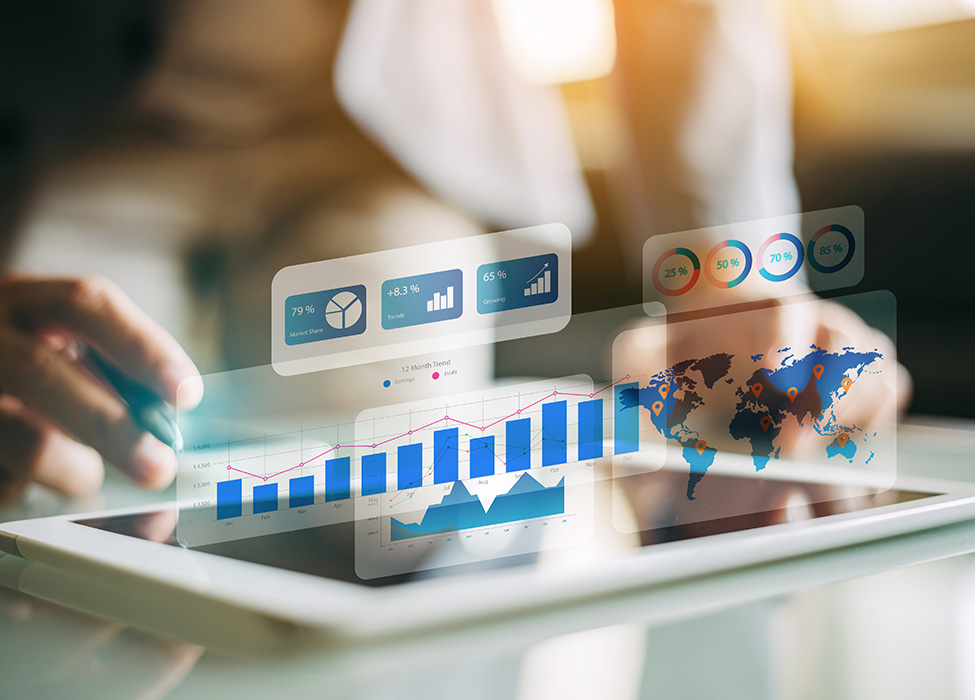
409, 466
229, 499
374, 474
626, 420
446, 453
338, 479
555, 433
482, 456
265, 498
301, 491
590, 429
518, 447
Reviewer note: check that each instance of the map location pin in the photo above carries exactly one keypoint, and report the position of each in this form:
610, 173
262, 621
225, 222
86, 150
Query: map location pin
842, 438
664, 390
657, 407
792, 393
700, 447
757, 389
846, 383
766, 422
818, 371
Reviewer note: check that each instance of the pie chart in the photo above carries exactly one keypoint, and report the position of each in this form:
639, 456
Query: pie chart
343, 310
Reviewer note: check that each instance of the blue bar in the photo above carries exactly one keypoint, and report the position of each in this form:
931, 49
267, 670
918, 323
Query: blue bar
409, 466
626, 421
301, 491
374, 474
229, 499
265, 498
482, 456
446, 451
518, 444
590, 429
338, 479
555, 433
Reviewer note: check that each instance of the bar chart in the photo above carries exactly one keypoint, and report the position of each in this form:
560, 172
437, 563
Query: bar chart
409, 459
504, 431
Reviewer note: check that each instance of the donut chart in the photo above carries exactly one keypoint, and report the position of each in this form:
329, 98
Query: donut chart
781, 258
676, 272
742, 266
815, 250
753, 260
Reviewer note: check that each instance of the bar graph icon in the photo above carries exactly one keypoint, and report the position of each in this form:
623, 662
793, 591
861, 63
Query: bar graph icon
540, 283
441, 302
517, 284
419, 299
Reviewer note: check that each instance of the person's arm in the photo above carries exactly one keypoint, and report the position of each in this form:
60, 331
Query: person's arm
57, 421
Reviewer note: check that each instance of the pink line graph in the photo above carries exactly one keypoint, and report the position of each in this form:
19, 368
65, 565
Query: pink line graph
445, 419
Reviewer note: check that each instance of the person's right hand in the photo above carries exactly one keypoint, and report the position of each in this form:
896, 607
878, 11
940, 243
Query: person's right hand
57, 420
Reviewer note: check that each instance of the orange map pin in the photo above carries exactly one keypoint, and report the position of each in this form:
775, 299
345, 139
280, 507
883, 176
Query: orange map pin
657, 407
757, 389
766, 422
792, 393
842, 438
818, 371
700, 446
664, 390
846, 383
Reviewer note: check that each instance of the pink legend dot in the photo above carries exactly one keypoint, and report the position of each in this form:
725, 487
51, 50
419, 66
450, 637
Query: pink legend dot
436, 375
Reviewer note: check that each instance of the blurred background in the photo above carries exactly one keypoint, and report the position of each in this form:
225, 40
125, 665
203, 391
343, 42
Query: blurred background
188, 150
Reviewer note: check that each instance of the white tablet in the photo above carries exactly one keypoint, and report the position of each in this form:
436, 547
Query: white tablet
274, 590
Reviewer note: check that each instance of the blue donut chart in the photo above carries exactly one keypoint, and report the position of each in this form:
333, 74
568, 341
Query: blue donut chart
850, 249
795, 267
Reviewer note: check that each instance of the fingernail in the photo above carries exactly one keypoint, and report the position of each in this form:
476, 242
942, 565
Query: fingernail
154, 463
189, 390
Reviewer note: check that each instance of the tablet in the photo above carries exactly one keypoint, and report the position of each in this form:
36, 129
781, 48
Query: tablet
270, 590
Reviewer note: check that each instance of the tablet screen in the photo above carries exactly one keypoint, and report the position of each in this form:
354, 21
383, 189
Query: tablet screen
329, 551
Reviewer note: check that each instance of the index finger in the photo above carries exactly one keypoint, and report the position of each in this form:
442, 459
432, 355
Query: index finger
101, 314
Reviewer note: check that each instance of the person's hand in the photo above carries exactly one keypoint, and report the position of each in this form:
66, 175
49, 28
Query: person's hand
57, 420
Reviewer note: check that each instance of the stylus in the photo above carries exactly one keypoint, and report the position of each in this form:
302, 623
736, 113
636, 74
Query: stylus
149, 411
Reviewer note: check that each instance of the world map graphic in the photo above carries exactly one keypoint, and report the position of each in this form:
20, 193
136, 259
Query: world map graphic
767, 392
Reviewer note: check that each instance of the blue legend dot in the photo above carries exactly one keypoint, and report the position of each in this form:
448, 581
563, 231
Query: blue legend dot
386, 383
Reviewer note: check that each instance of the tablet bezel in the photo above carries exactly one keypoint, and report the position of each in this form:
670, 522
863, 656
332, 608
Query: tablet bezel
350, 611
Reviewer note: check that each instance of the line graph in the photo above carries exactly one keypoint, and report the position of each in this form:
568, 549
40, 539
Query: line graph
403, 458
445, 419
